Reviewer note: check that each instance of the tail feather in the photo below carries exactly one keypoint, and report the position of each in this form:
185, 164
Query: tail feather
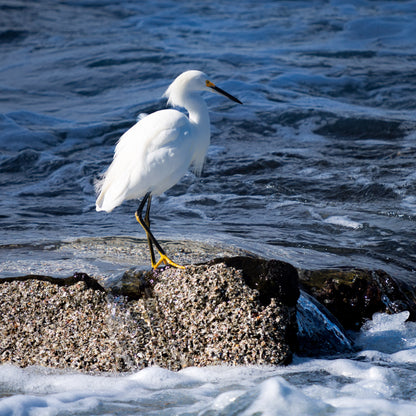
109, 194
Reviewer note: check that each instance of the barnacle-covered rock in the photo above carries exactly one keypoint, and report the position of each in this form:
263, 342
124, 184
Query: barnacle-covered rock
207, 314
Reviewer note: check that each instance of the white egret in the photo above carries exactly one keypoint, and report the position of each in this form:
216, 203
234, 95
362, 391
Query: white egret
157, 151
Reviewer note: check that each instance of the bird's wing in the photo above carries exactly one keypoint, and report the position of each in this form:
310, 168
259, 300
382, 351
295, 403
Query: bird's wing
152, 132
167, 153
151, 156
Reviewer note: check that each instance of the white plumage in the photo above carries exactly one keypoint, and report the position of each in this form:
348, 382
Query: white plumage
157, 151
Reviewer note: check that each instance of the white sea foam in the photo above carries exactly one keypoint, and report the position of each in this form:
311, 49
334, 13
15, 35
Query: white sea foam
343, 221
388, 333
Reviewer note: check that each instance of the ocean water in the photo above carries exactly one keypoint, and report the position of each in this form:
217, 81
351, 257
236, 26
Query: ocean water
317, 168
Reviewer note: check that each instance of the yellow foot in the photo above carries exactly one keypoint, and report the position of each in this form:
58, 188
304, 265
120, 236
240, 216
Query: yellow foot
167, 261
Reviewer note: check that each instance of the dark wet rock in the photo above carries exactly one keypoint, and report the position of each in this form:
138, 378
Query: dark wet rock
354, 295
272, 278
90, 282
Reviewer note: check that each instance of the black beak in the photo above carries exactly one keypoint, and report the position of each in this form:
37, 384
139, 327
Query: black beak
225, 94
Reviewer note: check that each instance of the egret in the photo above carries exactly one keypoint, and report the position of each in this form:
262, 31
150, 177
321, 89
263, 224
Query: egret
157, 151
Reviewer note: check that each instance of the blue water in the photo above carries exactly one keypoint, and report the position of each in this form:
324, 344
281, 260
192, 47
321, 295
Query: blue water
316, 168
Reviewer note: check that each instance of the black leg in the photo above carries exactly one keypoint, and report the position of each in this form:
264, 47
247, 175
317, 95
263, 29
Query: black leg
145, 223
146, 226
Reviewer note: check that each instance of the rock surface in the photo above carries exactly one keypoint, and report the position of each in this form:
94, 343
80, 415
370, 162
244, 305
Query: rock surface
354, 295
202, 315
238, 310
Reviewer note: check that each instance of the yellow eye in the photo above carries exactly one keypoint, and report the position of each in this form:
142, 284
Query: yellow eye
209, 84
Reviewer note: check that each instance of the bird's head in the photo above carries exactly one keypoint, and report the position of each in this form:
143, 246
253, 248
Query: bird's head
189, 82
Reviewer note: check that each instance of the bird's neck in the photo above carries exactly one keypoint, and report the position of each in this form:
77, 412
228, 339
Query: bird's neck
199, 118
197, 110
